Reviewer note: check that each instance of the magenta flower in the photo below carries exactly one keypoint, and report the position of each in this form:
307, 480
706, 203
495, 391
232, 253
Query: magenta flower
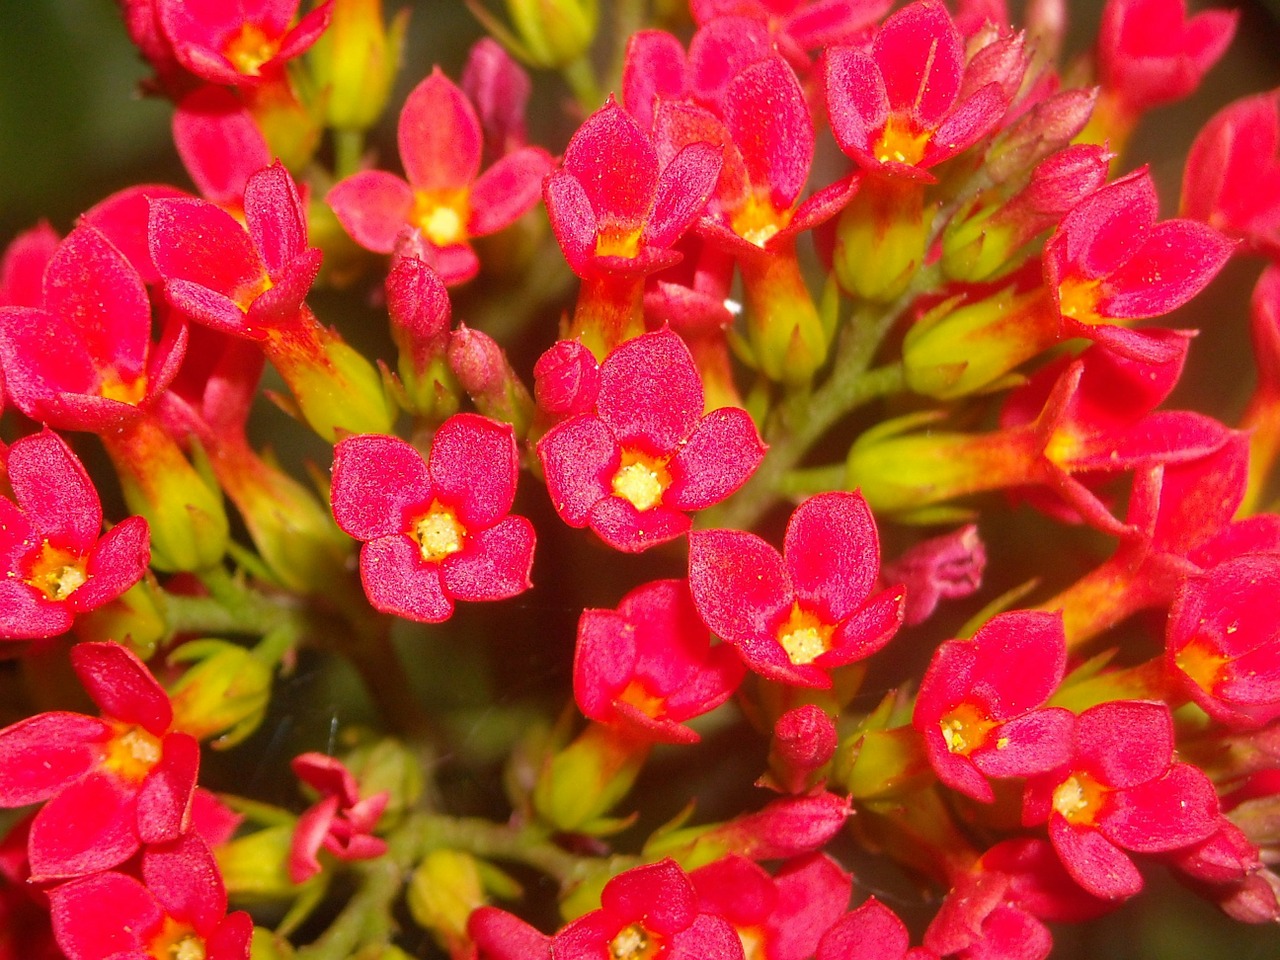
648, 911
57, 563
239, 43
340, 821
435, 530
109, 784
179, 910
1232, 177
83, 359
1110, 263
793, 617
784, 915
446, 197
1150, 53
634, 468
904, 106
1222, 640
871, 932
798, 25
980, 706
614, 207
23, 265
650, 666
1120, 791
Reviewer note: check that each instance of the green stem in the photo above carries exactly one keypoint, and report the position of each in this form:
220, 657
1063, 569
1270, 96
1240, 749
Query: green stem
367, 916
348, 149
492, 841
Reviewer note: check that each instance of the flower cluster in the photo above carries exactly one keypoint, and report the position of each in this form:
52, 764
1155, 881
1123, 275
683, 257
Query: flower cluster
803, 462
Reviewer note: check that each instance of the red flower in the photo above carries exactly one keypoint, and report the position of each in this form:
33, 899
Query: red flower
1232, 177
614, 207
340, 821
780, 917
23, 265
239, 43
633, 469
899, 109
55, 561
648, 911
178, 911
1120, 791
796, 616
1149, 53
1110, 263
111, 783
434, 530
798, 25
979, 706
1223, 643
440, 147
83, 359
650, 665
871, 932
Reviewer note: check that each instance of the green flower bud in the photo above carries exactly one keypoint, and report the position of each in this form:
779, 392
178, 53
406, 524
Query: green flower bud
223, 694
354, 63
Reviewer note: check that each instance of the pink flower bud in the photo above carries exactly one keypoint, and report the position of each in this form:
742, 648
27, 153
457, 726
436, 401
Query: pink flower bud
566, 379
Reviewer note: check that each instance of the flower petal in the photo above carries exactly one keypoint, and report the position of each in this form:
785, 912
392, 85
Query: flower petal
396, 580
833, 553
378, 483
122, 686
739, 584
650, 392
473, 468
723, 450
493, 565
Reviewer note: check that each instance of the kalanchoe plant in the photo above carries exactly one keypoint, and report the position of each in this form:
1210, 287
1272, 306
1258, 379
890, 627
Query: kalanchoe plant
752, 289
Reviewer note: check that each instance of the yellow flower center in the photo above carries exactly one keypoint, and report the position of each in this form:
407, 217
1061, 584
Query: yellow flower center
57, 573
1078, 299
131, 752
900, 142
1079, 798
615, 241
177, 941
442, 215
641, 480
804, 637
634, 943
1201, 662
113, 387
757, 220
250, 48
965, 728
438, 533
637, 695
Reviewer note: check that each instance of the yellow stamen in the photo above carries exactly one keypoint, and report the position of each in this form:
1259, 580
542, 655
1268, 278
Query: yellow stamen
804, 637
177, 941
442, 215
1079, 798
641, 480
131, 752
615, 241
1199, 661
1078, 299
900, 142
57, 573
438, 533
758, 221
965, 728
634, 942
250, 48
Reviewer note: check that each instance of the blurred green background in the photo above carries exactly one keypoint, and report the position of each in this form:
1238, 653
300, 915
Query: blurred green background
73, 129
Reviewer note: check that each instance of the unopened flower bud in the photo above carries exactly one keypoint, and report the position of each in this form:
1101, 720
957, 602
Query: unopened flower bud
945, 567
388, 766
499, 88
486, 375
355, 62
1048, 126
443, 891
579, 784
555, 33
880, 239
254, 866
804, 741
224, 692
134, 619
566, 379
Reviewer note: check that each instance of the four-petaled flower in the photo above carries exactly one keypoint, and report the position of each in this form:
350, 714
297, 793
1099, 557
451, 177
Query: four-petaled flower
55, 563
446, 197
634, 468
795, 616
435, 530
112, 783
241, 43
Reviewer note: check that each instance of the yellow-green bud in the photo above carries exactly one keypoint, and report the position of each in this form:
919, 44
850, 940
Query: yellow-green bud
880, 239
387, 765
223, 694
443, 891
255, 866
354, 63
579, 784
554, 33
134, 618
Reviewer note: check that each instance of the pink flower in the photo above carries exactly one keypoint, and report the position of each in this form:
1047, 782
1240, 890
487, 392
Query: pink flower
1223, 644
634, 468
650, 666
56, 563
435, 530
446, 196
179, 910
871, 932
650, 910
793, 617
1150, 53
798, 25
903, 107
240, 43
1110, 263
23, 265
980, 703
110, 784
1120, 791
340, 822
